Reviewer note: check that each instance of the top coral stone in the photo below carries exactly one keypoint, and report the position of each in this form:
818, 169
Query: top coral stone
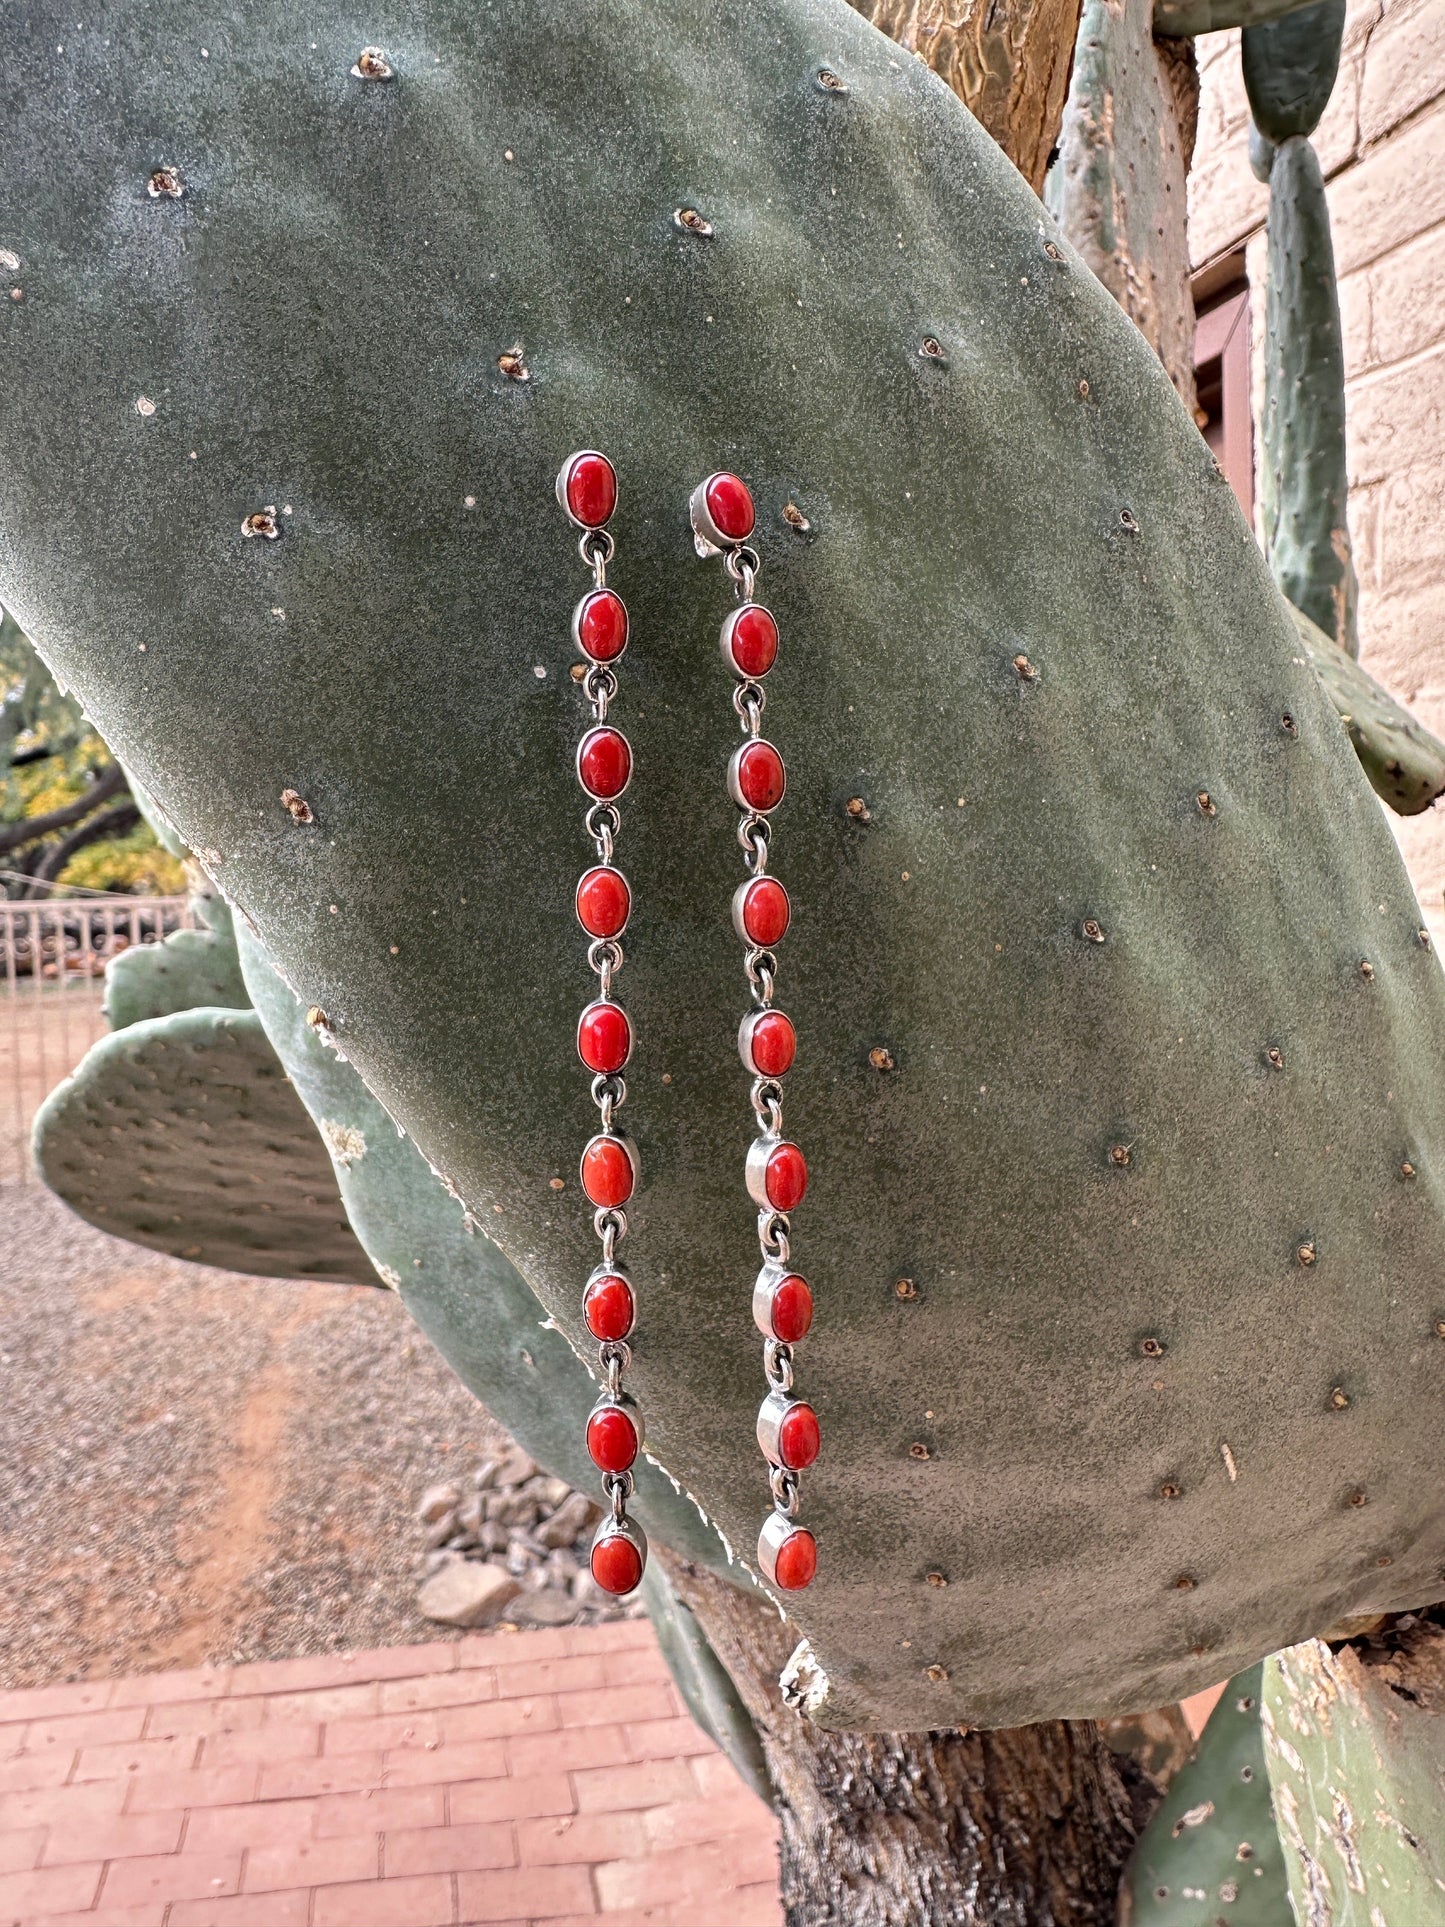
589, 489
730, 506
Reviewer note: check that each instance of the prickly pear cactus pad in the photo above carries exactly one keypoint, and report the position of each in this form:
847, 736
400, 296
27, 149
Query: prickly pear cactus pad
474, 1305
1357, 1764
190, 968
1125, 1218
1210, 1851
1290, 66
182, 1133
1404, 762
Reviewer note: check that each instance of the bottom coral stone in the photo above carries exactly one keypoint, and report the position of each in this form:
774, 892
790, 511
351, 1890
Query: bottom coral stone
617, 1565
797, 1561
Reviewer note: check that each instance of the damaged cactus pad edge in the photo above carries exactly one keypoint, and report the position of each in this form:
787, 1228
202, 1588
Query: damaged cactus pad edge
1129, 1260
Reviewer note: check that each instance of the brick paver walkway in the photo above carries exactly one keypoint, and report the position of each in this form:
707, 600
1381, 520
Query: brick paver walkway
546, 1777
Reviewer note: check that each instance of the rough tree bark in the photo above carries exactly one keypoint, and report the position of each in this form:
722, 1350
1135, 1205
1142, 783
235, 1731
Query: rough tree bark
1007, 60
1025, 1828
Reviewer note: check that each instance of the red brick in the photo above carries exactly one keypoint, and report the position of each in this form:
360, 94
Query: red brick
423, 1901
650, 1783
700, 1820
241, 1910
383, 1730
715, 1774
666, 1739
453, 1849
126, 1837
264, 1743
637, 1666
262, 1823
576, 1839
577, 1674
467, 1688
171, 1876
167, 1689
70, 1731
695, 1874
44, 1702
582, 1746
34, 1770
187, 1789
64, 1806
604, 1703
203, 1716
528, 1893
312, 1863
143, 1756
295, 1779
619, 1635
376, 1812
328, 1702
477, 1760
342, 1669
20, 1849
25, 1897
510, 1798
151, 1915
758, 1906
514, 1649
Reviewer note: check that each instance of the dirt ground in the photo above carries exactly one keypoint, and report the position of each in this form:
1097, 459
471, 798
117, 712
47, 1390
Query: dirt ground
197, 1466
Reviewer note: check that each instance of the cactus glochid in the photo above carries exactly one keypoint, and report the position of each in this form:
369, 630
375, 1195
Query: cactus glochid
1071, 1049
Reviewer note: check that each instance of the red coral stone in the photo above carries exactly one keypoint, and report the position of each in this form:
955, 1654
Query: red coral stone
764, 911
731, 507
604, 1038
612, 1439
752, 641
759, 776
604, 763
773, 1044
799, 1437
787, 1177
607, 1174
600, 625
792, 1309
797, 1561
617, 1564
591, 489
604, 902
609, 1309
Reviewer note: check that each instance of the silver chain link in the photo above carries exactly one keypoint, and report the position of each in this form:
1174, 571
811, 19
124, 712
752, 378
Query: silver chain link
755, 833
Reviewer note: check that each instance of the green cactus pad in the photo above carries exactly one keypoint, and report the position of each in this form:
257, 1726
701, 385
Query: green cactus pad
1357, 1769
1303, 486
473, 1304
1404, 762
1210, 1851
189, 969
183, 1134
1290, 66
1187, 17
1137, 1140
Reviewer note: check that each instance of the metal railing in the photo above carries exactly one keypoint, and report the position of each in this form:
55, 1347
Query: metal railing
52, 969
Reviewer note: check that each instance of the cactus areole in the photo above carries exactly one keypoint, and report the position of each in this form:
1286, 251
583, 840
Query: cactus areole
1088, 1066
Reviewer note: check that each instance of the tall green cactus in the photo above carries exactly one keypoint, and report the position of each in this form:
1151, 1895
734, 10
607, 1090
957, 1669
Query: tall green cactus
1140, 1135
1289, 68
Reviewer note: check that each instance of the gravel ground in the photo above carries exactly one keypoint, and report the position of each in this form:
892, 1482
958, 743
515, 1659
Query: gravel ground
199, 1466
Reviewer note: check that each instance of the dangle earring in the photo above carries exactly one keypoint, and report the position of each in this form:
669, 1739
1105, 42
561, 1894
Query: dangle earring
722, 516
587, 491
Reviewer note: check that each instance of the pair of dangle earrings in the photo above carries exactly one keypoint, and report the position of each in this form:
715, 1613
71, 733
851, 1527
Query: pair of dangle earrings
775, 1173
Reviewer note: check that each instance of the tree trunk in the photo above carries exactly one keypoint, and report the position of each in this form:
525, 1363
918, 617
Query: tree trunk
1007, 60
1024, 1828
